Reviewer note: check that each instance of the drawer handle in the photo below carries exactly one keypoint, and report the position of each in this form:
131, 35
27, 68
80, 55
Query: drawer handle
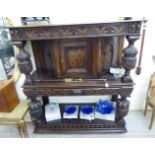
73, 80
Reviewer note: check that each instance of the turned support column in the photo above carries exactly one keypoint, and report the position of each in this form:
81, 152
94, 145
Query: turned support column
129, 58
35, 109
24, 61
25, 66
122, 108
114, 98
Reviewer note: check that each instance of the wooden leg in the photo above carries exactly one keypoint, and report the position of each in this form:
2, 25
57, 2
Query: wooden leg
45, 100
152, 119
114, 98
36, 109
25, 130
22, 129
146, 105
122, 108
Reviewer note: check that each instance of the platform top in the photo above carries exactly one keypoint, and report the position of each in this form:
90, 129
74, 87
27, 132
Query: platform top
104, 29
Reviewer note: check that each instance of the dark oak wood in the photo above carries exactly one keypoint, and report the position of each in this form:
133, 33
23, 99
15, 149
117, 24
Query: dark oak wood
73, 60
129, 58
80, 127
43, 54
118, 28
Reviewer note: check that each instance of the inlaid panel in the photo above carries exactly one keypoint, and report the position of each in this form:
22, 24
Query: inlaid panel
76, 59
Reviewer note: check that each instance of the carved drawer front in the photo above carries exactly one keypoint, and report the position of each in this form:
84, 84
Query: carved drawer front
76, 59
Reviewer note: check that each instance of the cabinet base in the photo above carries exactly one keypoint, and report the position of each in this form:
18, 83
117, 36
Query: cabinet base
111, 127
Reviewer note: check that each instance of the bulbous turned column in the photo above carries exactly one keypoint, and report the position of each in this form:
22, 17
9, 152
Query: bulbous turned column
129, 59
122, 109
35, 109
24, 61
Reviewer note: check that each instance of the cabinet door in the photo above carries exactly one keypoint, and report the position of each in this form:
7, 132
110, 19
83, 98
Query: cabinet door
76, 59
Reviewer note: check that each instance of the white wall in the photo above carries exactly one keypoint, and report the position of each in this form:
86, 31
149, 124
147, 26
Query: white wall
148, 66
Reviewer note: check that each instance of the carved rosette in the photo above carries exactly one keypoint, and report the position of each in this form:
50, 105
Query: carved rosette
129, 58
24, 61
122, 108
35, 110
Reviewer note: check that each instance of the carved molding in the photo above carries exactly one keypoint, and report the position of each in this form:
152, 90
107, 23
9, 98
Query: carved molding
76, 92
23, 57
74, 31
122, 109
35, 109
74, 126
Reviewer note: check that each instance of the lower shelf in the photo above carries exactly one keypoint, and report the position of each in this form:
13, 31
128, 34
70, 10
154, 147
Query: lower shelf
82, 126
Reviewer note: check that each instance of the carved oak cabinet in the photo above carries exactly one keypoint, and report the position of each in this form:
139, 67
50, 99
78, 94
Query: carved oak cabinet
75, 60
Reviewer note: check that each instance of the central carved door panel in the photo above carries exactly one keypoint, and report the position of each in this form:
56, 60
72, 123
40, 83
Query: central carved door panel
76, 59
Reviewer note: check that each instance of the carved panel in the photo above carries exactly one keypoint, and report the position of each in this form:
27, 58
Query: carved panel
63, 92
107, 51
75, 31
76, 59
42, 53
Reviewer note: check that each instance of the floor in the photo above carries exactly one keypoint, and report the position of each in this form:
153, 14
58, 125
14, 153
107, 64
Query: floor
137, 126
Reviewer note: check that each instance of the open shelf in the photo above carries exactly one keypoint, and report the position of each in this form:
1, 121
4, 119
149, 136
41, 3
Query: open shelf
78, 125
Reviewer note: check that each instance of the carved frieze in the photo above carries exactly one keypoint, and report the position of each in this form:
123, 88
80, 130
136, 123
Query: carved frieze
75, 31
63, 92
